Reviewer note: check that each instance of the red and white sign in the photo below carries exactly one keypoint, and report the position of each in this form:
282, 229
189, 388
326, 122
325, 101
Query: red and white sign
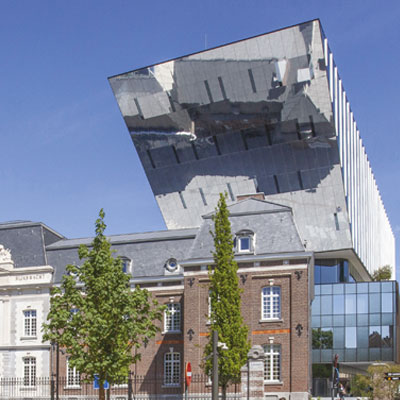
188, 374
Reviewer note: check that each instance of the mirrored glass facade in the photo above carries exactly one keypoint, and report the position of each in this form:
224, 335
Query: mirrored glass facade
265, 114
355, 320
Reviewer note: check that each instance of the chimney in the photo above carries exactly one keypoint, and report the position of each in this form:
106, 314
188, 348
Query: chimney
258, 196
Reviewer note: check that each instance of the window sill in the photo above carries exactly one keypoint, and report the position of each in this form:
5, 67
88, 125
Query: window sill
280, 383
269, 320
28, 338
72, 387
26, 388
172, 385
171, 333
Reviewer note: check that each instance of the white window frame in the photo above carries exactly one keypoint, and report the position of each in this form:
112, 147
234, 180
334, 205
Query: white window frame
272, 363
29, 371
126, 264
271, 303
172, 318
30, 323
73, 376
244, 234
172, 369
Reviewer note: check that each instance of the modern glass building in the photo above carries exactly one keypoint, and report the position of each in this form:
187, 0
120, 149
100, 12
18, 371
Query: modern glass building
355, 320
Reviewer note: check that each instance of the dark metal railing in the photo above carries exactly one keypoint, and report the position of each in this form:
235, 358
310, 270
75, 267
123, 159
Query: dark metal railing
137, 387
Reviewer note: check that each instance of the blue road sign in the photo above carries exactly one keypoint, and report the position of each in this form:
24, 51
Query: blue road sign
96, 384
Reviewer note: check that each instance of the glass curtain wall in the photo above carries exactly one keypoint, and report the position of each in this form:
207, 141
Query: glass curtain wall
355, 320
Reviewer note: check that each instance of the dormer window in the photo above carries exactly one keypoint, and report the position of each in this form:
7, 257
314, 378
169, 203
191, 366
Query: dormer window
126, 265
244, 242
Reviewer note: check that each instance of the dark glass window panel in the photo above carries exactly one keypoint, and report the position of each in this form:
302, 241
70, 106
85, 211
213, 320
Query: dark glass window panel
387, 302
338, 338
350, 337
338, 320
362, 336
362, 319
374, 303
326, 304
344, 271
362, 287
350, 304
326, 289
387, 336
387, 319
338, 304
375, 339
316, 306
351, 319
362, 303
329, 274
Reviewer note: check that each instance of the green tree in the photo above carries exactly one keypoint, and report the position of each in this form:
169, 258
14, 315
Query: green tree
383, 273
374, 385
96, 317
225, 300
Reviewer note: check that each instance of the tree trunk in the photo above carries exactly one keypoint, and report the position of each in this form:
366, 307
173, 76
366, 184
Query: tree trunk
223, 387
101, 392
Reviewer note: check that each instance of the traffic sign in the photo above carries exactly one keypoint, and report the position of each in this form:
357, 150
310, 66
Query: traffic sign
96, 384
392, 374
188, 374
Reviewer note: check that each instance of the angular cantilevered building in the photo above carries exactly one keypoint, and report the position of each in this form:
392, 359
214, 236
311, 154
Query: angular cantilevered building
265, 114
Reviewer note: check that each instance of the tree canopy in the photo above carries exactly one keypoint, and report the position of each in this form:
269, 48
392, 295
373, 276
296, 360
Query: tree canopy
225, 316
96, 316
382, 274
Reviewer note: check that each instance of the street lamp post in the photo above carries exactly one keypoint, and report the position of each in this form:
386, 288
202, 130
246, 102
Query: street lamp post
215, 366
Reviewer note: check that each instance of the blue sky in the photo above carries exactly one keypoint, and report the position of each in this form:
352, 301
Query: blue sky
65, 150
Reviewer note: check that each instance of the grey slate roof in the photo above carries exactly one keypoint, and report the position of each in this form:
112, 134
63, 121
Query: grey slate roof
272, 224
33, 243
148, 251
27, 241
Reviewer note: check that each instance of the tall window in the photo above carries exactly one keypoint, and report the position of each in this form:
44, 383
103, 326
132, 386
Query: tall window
172, 317
271, 302
172, 369
272, 365
73, 376
29, 371
30, 323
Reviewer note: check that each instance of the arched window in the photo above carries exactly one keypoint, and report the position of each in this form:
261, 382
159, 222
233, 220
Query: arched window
244, 241
126, 264
271, 302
